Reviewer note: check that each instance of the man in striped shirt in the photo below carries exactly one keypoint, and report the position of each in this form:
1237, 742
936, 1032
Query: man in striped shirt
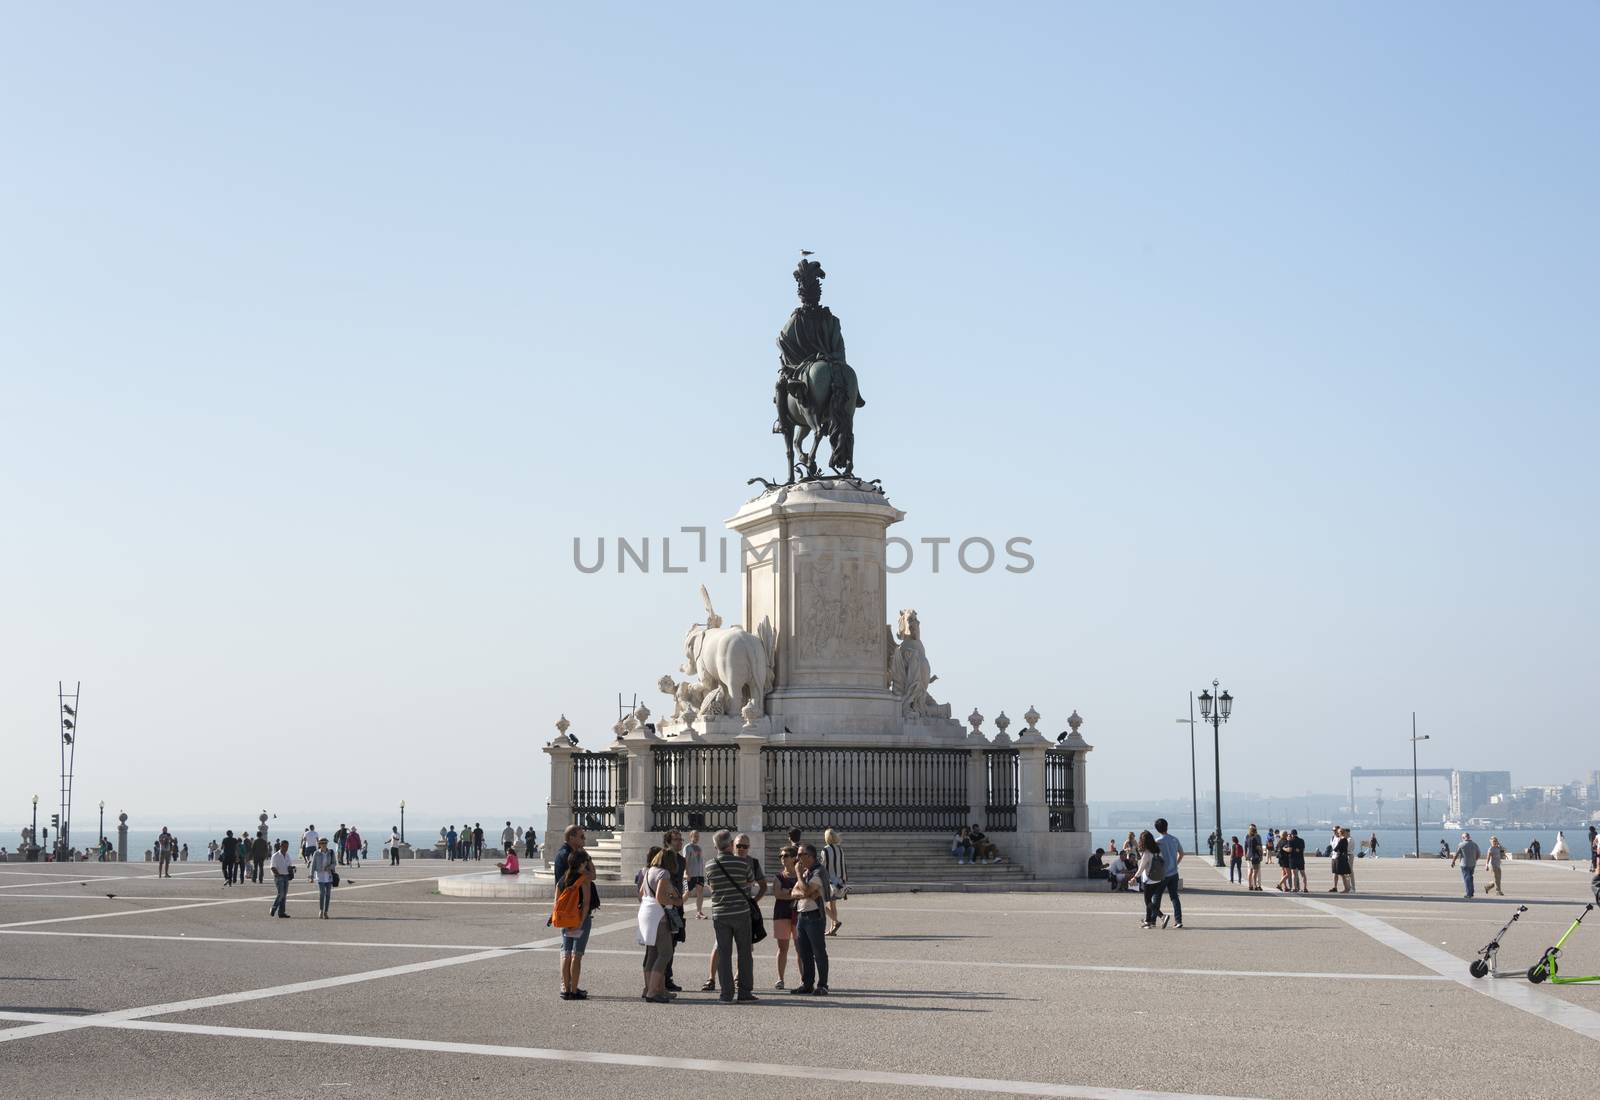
729, 876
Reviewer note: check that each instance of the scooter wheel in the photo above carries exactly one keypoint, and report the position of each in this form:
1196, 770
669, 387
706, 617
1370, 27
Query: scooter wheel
1479, 968
1536, 973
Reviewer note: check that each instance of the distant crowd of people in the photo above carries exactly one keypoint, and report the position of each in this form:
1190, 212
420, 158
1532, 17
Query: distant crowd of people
805, 893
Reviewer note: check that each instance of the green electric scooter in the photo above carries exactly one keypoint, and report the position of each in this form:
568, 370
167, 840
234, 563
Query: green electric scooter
1546, 967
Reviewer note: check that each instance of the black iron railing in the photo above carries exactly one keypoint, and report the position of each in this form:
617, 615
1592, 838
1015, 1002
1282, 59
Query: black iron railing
693, 787
599, 789
1003, 780
1058, 790
864, 790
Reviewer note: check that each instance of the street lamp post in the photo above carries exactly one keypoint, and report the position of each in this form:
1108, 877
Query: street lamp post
1216, 716
100, 837
33, 837
1416, 821
402, 821
1194, 782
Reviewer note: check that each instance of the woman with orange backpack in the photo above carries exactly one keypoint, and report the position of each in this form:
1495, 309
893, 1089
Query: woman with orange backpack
573, 914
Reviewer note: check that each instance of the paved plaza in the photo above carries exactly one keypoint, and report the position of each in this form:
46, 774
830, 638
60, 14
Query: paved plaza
180, 987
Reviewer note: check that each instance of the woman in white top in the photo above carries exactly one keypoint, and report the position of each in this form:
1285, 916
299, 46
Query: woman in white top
838, 876
322, 869
656, 897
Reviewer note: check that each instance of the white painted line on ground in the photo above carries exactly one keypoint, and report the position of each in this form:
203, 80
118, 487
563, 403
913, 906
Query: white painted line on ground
101, 1019
264, 893
237, 939
62, 880
1349, 975
649, 1061
254, 898
1527, 997
551, 948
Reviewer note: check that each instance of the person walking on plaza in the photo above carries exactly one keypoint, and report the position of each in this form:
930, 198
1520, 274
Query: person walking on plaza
1172, 855
728, 876
1252, 855
838, 877
165, 849
338, 841
451, 839
352, 847
1235, 860
695, 868
530, 843
323, 865
230, 857
1152, 875
1467, 852
508, 838
810, 896
394, 845
658, 903
1372, 846
308, 844
1491, 860
282, 874
477, 840
260, 852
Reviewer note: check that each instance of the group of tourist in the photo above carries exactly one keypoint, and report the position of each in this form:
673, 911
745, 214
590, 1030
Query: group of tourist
806, 892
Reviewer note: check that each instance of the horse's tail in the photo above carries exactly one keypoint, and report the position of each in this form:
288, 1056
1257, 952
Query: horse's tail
841, 414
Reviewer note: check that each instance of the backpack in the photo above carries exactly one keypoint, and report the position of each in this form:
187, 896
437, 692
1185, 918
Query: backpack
568, 910
1158, 868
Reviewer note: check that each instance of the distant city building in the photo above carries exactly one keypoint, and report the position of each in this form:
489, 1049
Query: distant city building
1474, 792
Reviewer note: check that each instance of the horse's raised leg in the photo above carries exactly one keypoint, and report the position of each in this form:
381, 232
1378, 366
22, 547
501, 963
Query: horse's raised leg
788, 443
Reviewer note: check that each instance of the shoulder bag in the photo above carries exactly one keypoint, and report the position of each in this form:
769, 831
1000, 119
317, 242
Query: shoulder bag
758, 926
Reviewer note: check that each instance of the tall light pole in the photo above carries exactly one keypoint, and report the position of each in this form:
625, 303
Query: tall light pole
1216, 716
402, 821
1416, 821
100, 837
33, 837
1194, 783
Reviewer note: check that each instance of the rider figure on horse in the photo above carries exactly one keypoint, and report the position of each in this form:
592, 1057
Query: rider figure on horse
812, 370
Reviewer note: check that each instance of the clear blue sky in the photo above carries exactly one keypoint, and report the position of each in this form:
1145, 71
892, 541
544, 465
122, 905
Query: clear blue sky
323, 332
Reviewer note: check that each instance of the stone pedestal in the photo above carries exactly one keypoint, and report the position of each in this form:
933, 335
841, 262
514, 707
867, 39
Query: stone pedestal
122, 838
813, 565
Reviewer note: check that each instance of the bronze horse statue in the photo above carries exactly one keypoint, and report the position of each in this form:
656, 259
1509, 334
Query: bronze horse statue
816, 393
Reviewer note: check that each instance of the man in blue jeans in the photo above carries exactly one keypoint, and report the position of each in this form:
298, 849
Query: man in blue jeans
1171, 855
1468, 854
282, 872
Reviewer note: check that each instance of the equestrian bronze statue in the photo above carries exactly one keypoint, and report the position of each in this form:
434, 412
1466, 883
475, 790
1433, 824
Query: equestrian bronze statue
816, 390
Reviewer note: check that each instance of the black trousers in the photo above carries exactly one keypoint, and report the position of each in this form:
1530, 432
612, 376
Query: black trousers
394, 857
230, 871
812, 945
